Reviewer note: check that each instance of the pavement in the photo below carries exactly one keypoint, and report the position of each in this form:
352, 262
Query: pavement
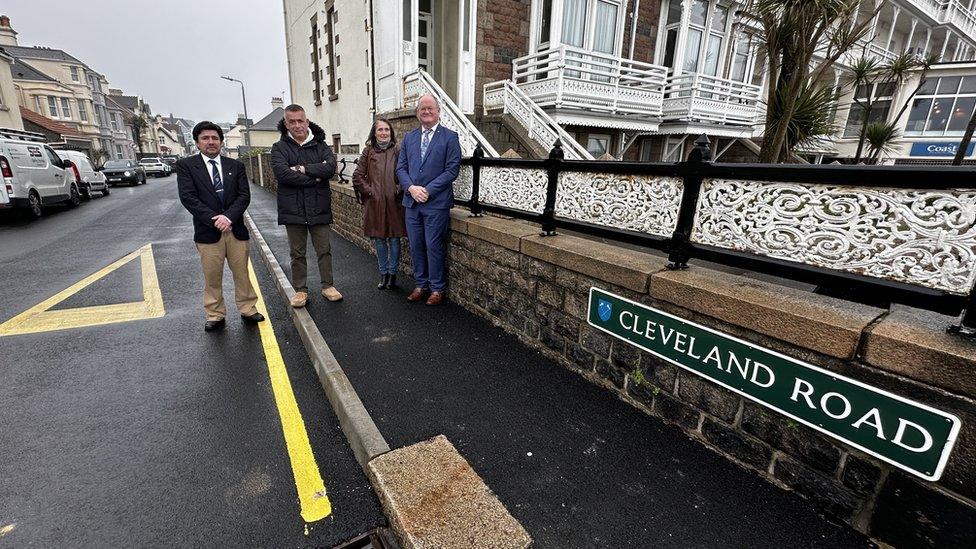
574, 464
149, 431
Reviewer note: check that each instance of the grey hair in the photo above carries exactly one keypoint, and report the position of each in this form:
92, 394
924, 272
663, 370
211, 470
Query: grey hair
430, 95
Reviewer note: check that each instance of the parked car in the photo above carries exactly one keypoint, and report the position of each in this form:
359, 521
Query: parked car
155, 166
91, 179
128, 172
170, 160
33, 174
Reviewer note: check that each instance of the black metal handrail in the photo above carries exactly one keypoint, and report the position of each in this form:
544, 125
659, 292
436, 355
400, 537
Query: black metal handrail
681, 249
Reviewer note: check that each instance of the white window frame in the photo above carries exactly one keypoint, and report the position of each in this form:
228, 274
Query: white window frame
722, 67
82, 110
945, 132
75, 74
608, 137
556, 26
52, 107
66, 108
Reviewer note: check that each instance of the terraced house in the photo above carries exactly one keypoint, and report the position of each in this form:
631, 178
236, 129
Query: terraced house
632, 79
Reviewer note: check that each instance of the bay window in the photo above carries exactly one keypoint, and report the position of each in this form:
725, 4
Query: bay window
704, 40
594, 25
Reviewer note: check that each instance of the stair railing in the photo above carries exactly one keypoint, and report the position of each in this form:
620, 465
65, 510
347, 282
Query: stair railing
418, 83
541, 128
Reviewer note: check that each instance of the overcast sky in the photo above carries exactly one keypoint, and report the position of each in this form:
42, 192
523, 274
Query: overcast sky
172, 52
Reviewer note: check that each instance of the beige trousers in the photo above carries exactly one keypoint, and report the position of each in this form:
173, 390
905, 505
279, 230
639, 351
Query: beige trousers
212, 258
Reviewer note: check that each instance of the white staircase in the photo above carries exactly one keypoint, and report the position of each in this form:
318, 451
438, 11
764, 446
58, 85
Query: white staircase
504, 95
419, 83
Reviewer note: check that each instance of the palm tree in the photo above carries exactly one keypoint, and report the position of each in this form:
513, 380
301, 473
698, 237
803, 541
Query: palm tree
802, 41
881, 137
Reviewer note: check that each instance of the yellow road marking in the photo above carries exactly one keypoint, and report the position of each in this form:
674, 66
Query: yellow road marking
40, 319
311, 489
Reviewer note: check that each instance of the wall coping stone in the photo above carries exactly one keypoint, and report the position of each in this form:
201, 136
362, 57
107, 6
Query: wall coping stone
459, 220
507, 233
613, 264
914, 343
824, 324
343, 188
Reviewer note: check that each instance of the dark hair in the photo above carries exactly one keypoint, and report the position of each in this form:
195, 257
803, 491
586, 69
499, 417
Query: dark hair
294, 107
371, 140
207, 125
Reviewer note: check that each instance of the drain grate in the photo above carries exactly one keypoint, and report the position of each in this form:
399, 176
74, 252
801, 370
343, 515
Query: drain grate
381, 538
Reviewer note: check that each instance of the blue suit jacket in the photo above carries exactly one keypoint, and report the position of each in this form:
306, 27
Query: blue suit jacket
436, 172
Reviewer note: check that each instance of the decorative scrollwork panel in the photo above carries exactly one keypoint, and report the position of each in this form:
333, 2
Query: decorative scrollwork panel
642, 203
921, 237
462, 186
519, 188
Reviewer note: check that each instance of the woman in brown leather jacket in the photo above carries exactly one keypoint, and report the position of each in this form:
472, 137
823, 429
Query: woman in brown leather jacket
375, 179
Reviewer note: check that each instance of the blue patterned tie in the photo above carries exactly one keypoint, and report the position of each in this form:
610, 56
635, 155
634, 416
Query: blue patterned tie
217, 183
424, 143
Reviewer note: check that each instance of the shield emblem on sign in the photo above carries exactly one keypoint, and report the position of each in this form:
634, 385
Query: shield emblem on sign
604, 309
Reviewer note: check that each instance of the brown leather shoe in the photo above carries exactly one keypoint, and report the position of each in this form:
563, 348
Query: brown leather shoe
436, 298
417, 294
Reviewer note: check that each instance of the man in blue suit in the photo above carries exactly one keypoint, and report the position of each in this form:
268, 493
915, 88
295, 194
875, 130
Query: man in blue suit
429, 161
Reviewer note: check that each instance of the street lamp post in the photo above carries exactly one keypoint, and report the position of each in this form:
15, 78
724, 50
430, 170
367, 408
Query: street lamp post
247, 135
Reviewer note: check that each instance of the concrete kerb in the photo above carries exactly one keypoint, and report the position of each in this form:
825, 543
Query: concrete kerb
359, 428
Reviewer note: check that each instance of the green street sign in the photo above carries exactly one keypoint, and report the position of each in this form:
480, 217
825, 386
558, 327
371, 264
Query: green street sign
906, 434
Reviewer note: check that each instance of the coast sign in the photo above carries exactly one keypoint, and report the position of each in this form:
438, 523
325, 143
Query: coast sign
904, 433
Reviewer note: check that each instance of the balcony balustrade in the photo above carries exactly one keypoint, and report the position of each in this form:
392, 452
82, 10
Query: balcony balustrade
698, 98
622, 92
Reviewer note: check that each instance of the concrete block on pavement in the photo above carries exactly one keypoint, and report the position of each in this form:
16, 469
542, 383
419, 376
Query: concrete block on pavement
434, 498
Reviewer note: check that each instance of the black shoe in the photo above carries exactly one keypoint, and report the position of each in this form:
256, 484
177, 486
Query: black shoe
253, 319
383, 281
214, 325
391, 282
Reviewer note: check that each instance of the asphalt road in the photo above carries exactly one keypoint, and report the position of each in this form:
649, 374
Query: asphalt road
577, 466
151, 431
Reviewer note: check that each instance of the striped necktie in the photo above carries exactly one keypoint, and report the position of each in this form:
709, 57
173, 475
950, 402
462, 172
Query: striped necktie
424, 143
217, 182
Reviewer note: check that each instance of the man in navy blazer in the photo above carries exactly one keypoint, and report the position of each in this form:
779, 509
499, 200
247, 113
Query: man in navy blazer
429, 161
215, 191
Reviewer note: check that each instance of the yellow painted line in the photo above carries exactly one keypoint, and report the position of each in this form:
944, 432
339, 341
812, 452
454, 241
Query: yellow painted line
40, 319
311, 489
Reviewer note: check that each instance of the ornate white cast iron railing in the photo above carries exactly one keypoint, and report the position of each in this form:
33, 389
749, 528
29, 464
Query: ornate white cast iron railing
900, 234
540, 127
566, 77
693, 97
418, 83
917, 237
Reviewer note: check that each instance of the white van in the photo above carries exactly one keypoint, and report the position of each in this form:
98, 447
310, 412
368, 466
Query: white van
91, 179
33, 174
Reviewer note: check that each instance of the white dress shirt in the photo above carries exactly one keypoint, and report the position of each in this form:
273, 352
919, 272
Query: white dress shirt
209, 166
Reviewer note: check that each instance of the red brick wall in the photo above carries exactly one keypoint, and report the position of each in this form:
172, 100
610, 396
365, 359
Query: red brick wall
503, 35
648, 17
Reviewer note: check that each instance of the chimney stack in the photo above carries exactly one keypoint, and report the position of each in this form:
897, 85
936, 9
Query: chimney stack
8, 36
277, 103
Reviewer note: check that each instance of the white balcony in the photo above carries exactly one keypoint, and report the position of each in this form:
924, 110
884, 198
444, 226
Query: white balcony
577, 86
957, 14
696, 102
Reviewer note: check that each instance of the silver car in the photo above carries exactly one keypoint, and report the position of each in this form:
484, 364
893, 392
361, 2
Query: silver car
155, 166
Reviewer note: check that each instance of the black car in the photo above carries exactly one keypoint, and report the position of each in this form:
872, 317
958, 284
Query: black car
129, 172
